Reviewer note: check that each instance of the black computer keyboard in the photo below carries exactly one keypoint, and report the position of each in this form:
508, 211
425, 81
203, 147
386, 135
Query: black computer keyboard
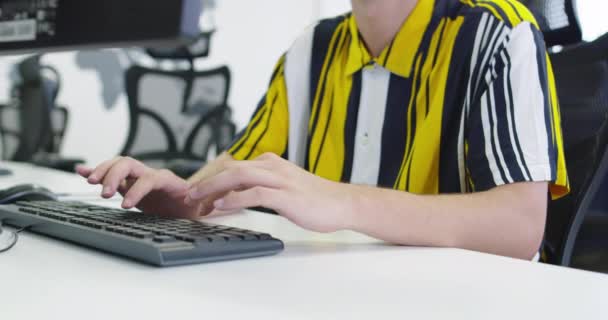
143, 237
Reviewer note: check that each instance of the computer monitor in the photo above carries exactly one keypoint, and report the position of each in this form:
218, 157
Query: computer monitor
38, 26
53, 25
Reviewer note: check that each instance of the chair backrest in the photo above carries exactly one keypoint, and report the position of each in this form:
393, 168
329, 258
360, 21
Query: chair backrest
581, 74
558, 20
19, 140
177, 114
32, 123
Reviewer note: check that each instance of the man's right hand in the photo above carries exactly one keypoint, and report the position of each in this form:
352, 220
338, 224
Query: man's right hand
149, 190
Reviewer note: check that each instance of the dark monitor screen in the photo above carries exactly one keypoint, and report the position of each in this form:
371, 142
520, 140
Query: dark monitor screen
52, 25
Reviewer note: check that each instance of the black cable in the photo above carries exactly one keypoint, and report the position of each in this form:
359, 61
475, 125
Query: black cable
15, 238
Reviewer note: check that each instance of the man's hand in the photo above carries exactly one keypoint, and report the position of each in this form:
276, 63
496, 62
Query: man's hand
269, 181
150, 190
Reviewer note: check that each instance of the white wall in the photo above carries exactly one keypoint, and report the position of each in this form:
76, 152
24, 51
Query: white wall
333, 8
592, 14
251, 36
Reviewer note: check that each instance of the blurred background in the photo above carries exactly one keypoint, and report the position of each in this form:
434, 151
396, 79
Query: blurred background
249, 37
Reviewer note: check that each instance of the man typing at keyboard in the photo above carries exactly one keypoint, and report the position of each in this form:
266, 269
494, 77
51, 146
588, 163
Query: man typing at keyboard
427, 123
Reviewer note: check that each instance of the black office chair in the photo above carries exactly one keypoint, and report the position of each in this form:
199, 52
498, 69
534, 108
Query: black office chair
577, 229
178, 116
32, 126
581, 74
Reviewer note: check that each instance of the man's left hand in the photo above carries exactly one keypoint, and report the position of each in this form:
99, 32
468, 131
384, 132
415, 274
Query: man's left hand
272, 182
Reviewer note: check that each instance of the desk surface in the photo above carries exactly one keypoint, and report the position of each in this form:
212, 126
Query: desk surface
337, 276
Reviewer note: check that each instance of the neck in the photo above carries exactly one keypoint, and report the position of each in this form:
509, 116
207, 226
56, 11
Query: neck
380, 20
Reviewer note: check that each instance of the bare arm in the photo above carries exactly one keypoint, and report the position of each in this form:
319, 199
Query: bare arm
507, 220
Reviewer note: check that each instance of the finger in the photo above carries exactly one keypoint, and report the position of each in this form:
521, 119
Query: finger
83, 171
269, 157
219, 213
272, 161
99, 172
121, 170
254, 197
259, 162
153, 180
126, 185
140, 188
235, 179
206, 204
233, 165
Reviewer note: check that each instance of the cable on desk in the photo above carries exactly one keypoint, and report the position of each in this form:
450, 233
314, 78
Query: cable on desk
13, 241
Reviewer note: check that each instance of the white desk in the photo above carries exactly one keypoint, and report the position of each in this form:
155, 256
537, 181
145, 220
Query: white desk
339, 276
60, 182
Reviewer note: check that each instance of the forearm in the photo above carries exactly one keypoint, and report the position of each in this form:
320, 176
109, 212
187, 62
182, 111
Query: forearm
211, 168
504, 221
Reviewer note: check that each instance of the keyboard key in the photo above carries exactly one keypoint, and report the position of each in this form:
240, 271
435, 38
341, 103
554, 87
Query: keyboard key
164, 239
141, 234
29, 210
186, 238
235, 234
216, 238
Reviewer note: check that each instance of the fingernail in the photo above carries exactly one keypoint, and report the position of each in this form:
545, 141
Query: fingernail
218, 204
92, 178
126, 204
107, 190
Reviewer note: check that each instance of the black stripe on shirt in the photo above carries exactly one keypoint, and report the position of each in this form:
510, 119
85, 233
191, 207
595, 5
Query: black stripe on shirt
323, 34
502, 109
350, 126
428, 79
255, 145
324, 137
394, 131
477, 162
455, 92
491, 105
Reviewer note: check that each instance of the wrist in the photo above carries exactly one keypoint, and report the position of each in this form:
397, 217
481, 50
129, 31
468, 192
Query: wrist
373, 209
355, 204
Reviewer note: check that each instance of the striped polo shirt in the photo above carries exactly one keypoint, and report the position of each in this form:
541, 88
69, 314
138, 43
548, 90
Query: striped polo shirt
462, 100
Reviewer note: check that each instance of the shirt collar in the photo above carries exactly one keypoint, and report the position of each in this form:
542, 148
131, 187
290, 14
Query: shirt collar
399, 56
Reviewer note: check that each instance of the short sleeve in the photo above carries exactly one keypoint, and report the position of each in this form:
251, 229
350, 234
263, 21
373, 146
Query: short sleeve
513, 125
267, 130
